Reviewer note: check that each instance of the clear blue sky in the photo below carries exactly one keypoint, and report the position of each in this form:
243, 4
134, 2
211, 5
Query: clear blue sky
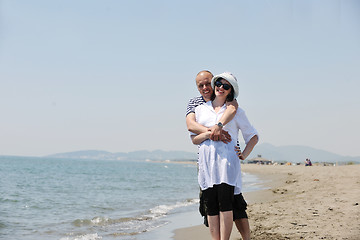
117, 75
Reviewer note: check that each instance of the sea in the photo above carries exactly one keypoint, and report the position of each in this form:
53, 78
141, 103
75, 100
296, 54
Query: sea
80, 199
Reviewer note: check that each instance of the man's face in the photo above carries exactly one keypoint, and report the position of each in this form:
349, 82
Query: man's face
203, 83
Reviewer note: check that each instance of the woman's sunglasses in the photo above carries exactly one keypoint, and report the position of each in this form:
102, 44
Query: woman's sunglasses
226, 86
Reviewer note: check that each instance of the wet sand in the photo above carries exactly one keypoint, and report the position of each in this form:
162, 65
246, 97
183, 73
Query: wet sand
317, 202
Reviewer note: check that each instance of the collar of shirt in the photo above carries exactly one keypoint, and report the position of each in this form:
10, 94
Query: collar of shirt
210, 106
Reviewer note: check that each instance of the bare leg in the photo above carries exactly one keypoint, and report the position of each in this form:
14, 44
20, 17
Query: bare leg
226, 223
214, 227
243, 226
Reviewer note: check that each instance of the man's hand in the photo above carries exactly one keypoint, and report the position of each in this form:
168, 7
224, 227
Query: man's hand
215, 133
218, 134
225, 137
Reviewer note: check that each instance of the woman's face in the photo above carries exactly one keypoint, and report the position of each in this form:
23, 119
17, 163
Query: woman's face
222, 88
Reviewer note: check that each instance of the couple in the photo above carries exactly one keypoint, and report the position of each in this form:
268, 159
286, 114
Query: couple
214, 121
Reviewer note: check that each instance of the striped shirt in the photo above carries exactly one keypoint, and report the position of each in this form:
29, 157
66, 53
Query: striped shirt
193, 103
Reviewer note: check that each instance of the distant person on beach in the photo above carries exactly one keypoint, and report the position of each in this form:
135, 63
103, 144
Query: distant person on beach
228, 179
308, 162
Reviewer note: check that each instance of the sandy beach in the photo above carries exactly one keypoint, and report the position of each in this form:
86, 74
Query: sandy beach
317, 202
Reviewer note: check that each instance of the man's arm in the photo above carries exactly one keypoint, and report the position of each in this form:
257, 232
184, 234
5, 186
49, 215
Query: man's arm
228, 115
194, 126
197, 128
197, 139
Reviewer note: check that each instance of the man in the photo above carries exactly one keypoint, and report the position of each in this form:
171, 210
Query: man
203, 83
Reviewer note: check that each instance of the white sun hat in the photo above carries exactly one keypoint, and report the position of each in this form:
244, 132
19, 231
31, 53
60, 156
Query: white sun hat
228, 77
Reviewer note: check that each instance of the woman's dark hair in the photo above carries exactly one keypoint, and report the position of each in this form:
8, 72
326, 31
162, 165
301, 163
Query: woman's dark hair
229, 97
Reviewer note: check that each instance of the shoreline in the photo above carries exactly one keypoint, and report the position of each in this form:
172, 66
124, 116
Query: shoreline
191, 216
317, 202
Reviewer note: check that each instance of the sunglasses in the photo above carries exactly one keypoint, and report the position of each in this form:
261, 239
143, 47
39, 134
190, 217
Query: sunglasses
226, 86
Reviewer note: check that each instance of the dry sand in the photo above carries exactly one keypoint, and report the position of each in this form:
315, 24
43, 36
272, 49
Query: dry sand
317, 202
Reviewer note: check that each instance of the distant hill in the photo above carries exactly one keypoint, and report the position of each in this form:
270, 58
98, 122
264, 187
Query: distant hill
266, 150
298, 154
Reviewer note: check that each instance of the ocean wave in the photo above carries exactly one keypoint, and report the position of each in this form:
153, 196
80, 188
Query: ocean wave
9, 200
2, 225
127, 226
162, 210
102, 208
93, 236
102, 221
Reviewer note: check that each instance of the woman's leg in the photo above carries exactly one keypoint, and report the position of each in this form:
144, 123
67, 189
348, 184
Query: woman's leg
226, 223
225, 198
214, 227
212, 209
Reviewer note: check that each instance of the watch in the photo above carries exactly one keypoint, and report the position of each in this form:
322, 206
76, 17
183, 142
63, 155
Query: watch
220, 124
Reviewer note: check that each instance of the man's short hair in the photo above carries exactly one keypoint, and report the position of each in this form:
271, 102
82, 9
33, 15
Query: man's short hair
205, 71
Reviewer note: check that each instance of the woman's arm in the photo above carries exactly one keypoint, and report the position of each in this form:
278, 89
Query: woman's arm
194, 126
228, 115
248, 148
197, 139
230, 112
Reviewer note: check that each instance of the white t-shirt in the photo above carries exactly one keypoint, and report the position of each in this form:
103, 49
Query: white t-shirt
218, 162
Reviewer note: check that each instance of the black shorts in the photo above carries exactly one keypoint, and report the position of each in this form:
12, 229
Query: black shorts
219, 198
239, 207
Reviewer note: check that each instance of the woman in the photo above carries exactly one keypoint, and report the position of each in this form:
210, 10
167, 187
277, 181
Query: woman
219, 167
